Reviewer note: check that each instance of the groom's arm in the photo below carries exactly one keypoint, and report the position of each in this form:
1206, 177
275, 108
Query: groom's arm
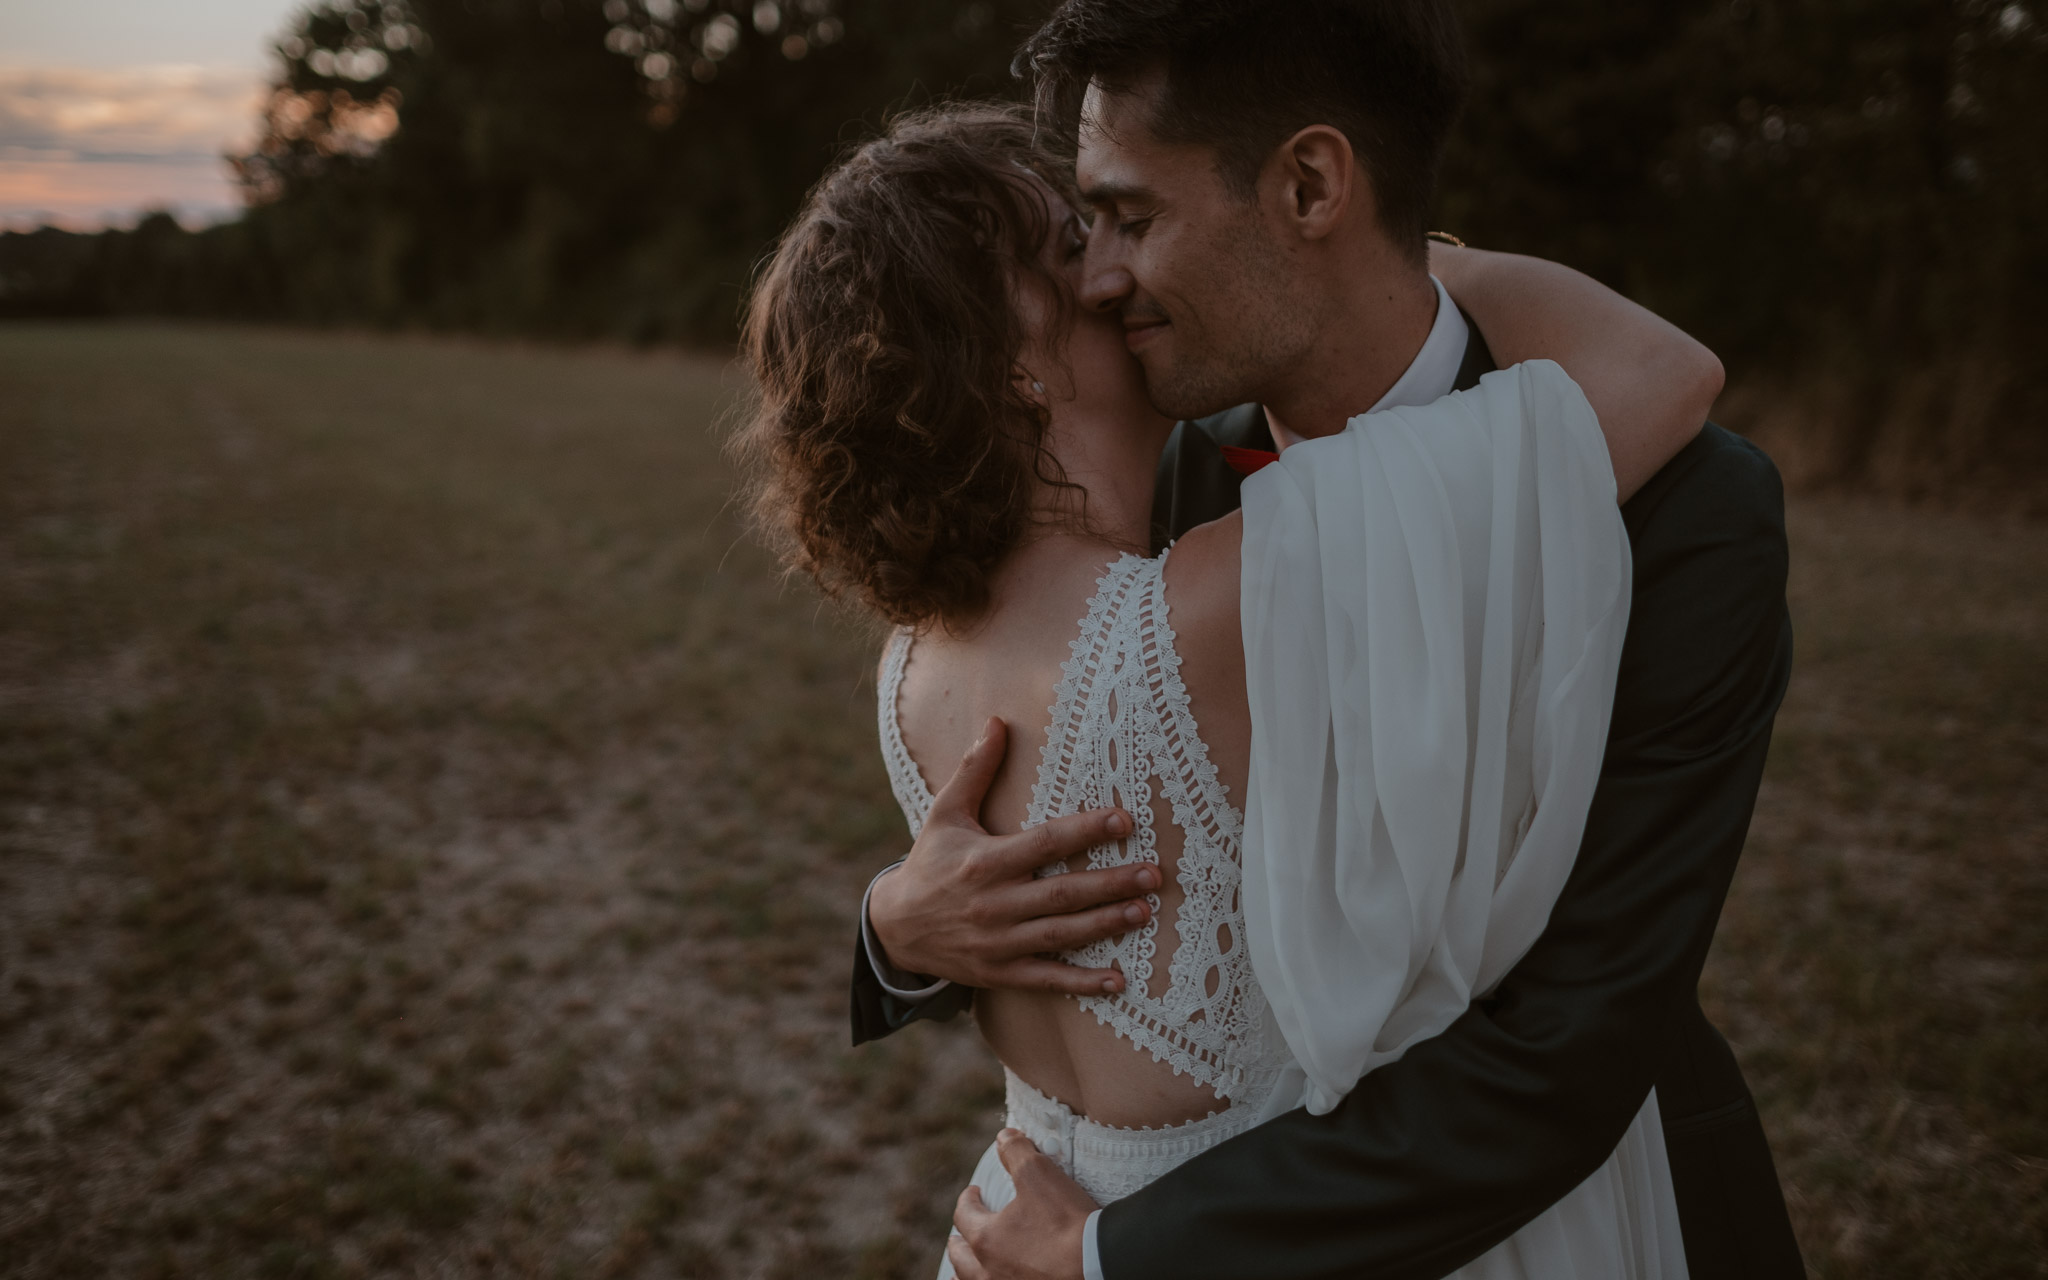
885, 999
1436, 1158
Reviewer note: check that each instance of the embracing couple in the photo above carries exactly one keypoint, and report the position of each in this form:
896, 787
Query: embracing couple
1362, 655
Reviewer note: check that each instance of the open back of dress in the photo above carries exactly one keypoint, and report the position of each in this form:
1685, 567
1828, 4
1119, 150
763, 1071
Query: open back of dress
1122, 735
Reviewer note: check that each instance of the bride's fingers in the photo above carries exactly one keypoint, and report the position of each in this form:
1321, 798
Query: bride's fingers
1056, 976
959, 801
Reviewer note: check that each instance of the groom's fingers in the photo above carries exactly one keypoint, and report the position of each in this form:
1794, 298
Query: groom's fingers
1018, 1154
1052, 934
1041, 1183
958, 803
1080, 891
1055, 841
971, 1215
1056, 976
965, 1264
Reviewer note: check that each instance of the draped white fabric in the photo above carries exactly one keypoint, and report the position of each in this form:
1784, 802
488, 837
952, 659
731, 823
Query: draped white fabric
1434, 602
1433, 608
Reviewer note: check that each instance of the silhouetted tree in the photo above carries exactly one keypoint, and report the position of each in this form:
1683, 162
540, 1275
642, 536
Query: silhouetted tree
1842, 190
578, 166
1845, 190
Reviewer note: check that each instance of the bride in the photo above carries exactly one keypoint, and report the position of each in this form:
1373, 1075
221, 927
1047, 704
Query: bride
1356, 724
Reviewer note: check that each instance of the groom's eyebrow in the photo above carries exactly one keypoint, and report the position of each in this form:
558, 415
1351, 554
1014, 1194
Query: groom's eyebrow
1113, 192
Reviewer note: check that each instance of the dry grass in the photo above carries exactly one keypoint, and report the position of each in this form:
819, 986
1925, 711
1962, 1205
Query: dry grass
1882, 966
428, 838
428, 841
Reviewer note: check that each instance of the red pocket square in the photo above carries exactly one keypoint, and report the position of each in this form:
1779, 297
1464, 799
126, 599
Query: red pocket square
1246, 461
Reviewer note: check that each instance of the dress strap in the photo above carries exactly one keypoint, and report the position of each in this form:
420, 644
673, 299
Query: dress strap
1201, 801
905, 779
1063, 763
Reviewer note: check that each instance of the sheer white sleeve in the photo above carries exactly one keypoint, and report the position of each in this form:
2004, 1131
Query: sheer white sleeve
1434, 604
1433, 608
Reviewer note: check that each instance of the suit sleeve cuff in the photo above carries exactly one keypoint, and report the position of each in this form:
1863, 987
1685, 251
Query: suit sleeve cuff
1091, 1252
911, 988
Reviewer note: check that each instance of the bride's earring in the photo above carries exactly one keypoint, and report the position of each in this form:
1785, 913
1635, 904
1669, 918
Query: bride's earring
1038, 387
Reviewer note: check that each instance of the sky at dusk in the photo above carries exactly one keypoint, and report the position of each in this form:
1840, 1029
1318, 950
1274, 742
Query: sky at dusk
112, 107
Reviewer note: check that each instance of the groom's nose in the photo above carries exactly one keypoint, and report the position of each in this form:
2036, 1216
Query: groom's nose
1106, 279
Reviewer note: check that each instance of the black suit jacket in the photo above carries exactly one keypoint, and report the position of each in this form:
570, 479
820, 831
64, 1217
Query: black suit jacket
1432, 1160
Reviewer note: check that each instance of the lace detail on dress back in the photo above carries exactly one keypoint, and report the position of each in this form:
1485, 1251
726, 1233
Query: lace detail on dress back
1120, 724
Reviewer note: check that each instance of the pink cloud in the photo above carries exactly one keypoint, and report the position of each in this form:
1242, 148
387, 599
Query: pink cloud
93, 146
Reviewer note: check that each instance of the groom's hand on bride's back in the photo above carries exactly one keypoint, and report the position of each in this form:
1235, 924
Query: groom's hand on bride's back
965, 905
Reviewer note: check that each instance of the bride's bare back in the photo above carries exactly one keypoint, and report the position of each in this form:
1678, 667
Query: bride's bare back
1011, 666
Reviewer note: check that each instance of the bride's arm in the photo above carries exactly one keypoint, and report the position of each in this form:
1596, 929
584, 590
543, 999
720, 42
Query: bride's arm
1651, 385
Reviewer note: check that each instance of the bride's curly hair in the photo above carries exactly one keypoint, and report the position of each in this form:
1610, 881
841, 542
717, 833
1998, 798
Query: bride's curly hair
889, 453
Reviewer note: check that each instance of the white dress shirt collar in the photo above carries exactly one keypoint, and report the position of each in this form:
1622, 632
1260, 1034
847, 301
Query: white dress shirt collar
1435, 370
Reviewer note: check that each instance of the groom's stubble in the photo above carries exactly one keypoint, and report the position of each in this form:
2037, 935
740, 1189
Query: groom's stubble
1241, 326
1239, 317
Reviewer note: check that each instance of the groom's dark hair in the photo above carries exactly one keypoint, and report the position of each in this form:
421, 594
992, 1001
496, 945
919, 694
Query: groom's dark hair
1244, 75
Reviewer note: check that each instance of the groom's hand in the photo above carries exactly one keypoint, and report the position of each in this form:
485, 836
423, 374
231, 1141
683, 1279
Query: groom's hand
964, 905
1037, 1236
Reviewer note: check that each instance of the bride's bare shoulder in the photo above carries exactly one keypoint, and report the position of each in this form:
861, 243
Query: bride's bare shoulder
1211, 547
1202, 580
1201, 602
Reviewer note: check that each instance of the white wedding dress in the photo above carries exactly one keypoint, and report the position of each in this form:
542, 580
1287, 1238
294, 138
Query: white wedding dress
1433, 608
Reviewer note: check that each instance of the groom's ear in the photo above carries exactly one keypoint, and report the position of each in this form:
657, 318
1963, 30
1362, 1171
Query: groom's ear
1316, 179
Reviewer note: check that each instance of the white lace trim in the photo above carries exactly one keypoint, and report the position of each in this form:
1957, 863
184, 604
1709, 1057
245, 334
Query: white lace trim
905, 778
1120, 721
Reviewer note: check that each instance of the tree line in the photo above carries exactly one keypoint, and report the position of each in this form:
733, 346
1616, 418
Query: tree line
1841, 196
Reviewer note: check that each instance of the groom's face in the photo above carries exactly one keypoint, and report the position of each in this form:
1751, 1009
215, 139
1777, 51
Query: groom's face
1193, 267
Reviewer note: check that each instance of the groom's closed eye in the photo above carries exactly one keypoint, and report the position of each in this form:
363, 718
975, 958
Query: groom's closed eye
1120, 202
1131, 228
1115, 222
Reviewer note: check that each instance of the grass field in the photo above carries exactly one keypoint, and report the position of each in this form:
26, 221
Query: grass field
429, 838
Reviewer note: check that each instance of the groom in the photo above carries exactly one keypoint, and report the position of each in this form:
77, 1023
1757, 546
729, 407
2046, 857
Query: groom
1208, 131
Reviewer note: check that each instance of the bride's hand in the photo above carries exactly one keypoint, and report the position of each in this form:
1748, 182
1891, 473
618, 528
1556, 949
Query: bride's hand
966, 907
1037, 1236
